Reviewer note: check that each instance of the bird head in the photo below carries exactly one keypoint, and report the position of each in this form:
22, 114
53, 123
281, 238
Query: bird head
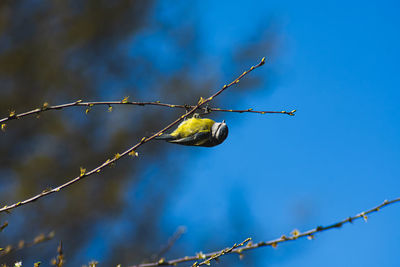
219, 132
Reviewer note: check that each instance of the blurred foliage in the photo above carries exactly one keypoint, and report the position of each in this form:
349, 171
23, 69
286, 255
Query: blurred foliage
62, 51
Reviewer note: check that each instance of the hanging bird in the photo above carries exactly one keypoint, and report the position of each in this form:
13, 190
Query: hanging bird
197, 132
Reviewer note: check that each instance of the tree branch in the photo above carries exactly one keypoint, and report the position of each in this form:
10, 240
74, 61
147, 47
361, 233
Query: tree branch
130, 151
89, 104
239, 249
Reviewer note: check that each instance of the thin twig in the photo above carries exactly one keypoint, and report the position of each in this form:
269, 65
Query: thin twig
22, 244
89, 104
130, 151
250, 110
221, 253
171, 242
4, 225
60, 259
273, 243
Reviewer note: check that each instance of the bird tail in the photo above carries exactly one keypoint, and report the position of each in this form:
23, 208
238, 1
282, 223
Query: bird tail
166, 137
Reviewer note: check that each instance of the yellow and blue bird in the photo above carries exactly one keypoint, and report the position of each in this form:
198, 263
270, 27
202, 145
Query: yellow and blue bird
197, 132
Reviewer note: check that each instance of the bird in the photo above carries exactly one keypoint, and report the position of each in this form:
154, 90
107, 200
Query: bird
197, 131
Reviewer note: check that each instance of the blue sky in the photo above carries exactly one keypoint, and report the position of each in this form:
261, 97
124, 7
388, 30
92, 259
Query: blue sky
338, 66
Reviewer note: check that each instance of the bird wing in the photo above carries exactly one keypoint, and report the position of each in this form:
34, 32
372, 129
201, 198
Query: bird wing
196, 139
